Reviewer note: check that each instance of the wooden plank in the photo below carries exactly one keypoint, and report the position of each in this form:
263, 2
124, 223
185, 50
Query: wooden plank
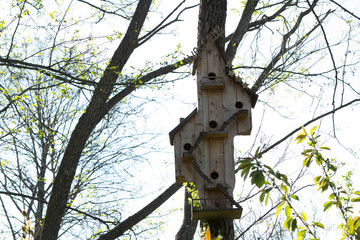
185, 135
229, 167
244, 122
218, 85
187, 157
217, 160
217, 214
229, 99
217, 134
215, 60
214, 105
205, 158
215, 187
243, 113
178, 168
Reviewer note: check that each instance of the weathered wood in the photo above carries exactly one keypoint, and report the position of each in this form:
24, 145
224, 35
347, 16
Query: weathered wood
224, 111
217, 214
217, 134
218, 85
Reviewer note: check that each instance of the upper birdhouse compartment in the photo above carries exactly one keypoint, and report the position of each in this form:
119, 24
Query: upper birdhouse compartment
209, 66
212, 74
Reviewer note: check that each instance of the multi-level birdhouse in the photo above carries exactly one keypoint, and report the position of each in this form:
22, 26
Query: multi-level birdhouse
203, 141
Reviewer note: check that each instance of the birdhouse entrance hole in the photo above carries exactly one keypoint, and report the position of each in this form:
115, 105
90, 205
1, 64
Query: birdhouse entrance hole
212, 76
214, 175
213, 124
187, 146
239, 104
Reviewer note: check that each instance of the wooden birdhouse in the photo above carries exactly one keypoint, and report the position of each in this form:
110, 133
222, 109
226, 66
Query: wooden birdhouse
203, 141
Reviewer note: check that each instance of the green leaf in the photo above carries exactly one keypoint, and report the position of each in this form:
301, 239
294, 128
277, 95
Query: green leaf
355, 199
258, 178
319, 159
325, 148
327, 205
287, 223
294, 225
278, 209
257, 151
301, 235
303, 216
245, 171
271, 171
312, 130
316, 179
287, 211
262, 196
244, 165
284, 188
357, 192
267, 198
294, 197
307, 161
319, 225
305, 152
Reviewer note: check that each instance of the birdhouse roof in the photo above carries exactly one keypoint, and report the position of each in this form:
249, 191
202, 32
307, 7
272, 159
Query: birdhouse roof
180, 125
229, 73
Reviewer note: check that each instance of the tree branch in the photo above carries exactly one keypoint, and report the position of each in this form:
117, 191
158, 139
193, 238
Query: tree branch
95, 112
241, 29
345, 10
307, 123
142, 214
283, 49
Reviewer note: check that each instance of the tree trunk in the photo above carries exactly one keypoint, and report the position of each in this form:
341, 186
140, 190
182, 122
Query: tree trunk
224, 227
212, 13
188, 227
95, 112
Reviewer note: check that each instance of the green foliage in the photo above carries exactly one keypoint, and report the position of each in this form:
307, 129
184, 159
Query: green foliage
270, 180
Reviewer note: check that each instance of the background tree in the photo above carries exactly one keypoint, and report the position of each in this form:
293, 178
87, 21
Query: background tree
52, 64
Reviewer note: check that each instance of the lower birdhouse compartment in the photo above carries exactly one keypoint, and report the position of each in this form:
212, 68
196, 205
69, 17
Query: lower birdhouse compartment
222, 208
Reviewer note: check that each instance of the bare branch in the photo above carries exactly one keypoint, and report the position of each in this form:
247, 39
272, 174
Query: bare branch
142, 214
241, 29
309, 122
283, 49
104, 10
347, 11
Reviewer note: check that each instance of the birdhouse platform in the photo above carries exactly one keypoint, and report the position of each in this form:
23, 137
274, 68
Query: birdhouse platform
219, 208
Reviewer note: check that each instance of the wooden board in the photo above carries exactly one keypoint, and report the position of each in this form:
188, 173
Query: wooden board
217, 214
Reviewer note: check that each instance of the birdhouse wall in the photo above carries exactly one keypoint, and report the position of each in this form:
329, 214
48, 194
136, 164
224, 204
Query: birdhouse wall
183, 140
229, 167
235, 98
210, 72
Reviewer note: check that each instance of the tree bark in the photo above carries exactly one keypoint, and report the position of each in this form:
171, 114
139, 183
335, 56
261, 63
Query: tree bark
188, 227
212, 13
142, 214
95, 112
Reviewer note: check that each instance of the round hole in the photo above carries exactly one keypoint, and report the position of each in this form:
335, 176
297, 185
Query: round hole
214, 175
239, 104
213, 124
187, 146
212, 76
